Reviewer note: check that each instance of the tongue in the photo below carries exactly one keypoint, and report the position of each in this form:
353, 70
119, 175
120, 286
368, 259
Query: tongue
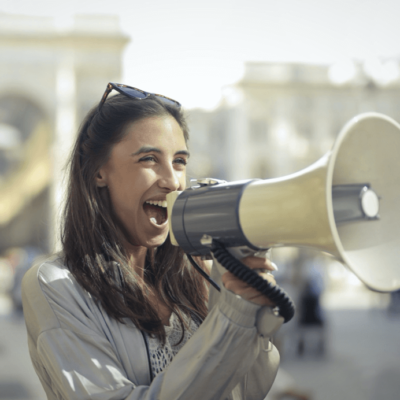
158, 213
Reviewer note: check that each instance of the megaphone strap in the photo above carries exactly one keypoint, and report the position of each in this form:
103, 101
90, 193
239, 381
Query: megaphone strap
202, 272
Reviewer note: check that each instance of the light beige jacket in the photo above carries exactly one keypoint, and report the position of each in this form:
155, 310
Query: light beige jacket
79, 352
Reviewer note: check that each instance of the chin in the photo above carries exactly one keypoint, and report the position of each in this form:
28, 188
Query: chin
156, 241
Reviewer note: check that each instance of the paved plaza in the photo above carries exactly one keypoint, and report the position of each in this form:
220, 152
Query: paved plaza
361, 360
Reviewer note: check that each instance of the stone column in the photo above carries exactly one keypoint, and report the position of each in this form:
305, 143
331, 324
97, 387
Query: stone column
64, 135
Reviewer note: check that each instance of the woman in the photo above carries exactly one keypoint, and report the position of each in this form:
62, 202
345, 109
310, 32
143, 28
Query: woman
107, 317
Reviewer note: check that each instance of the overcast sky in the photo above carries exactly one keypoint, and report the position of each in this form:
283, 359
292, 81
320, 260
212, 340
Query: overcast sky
189, 49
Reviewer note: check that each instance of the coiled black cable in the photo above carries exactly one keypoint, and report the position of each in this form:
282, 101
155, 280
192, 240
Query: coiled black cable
241, 271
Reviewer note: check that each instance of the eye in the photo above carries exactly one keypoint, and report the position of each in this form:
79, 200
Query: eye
181, 161
148, 159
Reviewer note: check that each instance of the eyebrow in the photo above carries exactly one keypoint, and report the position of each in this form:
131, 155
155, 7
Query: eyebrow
149, 149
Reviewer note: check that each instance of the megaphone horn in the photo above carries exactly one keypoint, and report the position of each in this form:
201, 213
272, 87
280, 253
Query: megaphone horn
347, 204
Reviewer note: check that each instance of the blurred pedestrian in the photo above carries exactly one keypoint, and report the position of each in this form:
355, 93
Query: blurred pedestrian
311, 318
21, 260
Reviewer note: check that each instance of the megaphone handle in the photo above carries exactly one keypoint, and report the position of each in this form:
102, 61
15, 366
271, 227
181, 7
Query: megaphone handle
241, 271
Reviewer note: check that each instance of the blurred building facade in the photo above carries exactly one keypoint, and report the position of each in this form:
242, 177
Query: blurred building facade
51, 73
281, 118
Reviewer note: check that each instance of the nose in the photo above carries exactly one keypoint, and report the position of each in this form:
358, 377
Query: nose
169, 179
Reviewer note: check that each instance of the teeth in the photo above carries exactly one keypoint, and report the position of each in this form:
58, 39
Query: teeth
160, 203
153, 220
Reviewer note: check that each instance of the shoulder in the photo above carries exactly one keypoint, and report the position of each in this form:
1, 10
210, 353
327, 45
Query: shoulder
50, 267
50, 278
52, 298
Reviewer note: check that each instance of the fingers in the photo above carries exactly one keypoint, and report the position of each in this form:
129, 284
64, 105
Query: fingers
245, 291
259, 263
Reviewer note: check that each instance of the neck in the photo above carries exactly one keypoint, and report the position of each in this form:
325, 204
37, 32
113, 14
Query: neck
137, 257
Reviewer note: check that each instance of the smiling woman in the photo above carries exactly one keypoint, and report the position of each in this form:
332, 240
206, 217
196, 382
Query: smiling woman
120, 313
147, 164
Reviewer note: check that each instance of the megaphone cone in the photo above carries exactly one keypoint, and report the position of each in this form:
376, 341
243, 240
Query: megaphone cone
347, 204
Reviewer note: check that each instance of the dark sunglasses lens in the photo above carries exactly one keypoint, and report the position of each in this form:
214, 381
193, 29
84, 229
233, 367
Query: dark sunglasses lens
133, 93
168, 101
140, 94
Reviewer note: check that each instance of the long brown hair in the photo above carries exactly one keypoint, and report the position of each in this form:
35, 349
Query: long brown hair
91, 238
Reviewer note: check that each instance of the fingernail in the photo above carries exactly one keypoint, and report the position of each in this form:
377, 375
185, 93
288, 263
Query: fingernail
273, 265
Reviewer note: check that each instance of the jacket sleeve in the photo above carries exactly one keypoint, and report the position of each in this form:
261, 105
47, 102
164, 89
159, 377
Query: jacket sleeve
256, 383
79, 362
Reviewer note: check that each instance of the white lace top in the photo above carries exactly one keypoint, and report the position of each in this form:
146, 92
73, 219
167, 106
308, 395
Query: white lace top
161, 356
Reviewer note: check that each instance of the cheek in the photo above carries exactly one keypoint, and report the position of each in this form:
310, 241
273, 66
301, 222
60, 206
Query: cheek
123, 194
128, 194
182, 180
119, 199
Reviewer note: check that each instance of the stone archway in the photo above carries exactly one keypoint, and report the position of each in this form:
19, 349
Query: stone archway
25, 173
63, 72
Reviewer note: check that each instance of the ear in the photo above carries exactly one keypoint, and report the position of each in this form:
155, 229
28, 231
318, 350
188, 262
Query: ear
101, 180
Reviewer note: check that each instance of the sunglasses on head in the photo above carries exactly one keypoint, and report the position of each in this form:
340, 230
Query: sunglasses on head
134, 93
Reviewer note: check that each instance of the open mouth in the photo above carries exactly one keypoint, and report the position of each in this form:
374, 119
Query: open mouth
156, 211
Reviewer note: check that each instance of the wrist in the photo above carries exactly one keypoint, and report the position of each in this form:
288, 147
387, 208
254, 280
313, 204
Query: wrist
268, 321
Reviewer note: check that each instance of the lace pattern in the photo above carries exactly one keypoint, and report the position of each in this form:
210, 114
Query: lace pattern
161, 356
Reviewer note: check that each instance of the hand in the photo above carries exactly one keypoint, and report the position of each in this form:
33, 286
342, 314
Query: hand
237, 286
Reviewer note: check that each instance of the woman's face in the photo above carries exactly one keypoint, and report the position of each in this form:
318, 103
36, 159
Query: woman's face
143, 168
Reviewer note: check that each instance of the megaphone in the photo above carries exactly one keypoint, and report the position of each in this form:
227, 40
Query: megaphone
347, 204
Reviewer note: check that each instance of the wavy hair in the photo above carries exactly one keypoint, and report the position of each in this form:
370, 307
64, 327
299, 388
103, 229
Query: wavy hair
91, 238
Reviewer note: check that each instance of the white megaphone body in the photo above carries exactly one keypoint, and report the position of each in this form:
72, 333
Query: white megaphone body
347, 204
